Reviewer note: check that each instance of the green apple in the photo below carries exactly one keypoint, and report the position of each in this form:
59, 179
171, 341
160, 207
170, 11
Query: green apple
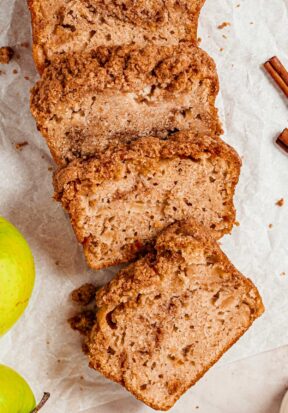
16, 395
17, 275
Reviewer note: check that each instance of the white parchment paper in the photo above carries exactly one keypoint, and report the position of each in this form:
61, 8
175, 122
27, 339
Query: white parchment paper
41, 346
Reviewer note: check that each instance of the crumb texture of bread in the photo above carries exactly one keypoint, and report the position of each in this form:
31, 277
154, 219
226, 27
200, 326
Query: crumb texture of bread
85, 102
64, 26
163, 321
120, 201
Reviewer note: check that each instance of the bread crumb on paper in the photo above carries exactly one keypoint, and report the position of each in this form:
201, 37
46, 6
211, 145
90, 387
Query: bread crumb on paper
19, 146
283, 274
270, 226
84, 294
223, 25
280, 203
83, 322
6, 54
26, 45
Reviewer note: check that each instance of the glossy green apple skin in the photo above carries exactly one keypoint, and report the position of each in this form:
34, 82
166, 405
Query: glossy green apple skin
17, 275
16, 395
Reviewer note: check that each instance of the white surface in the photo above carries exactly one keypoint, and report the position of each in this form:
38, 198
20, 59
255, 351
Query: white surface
41, 346
284, 404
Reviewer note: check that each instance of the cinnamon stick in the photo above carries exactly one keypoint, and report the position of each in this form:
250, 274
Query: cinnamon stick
281, 82
282, 140
278, 66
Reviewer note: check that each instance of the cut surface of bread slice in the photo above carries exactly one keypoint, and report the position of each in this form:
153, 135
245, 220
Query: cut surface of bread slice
65, 26
163, 321
83, 102
120, 201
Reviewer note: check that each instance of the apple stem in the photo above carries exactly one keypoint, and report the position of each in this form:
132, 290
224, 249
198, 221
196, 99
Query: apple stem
42, 402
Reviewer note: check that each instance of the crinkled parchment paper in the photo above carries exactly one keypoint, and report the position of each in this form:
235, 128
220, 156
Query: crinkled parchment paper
41, 345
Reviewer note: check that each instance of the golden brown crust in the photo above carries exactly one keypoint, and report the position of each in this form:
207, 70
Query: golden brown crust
106, 166
36, 25
150, 91
144, 272
126, 69
142, 276
84, 25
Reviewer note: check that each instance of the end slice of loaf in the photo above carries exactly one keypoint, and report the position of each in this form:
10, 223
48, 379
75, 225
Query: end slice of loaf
62, 26
120, 201
84, 102
166, 319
